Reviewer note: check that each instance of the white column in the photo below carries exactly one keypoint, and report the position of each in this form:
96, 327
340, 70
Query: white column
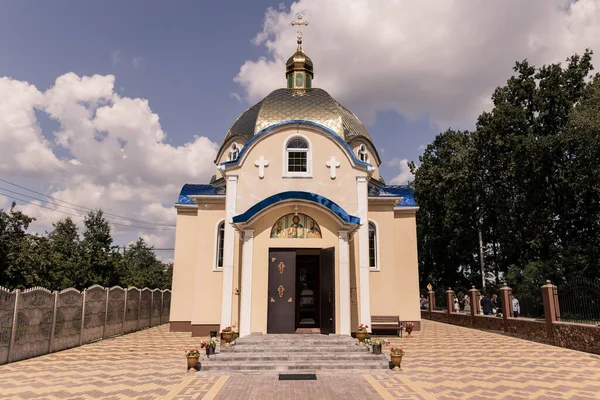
344, 250
363, 252
246, 290
228, 243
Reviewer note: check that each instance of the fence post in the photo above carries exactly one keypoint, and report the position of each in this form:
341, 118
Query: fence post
151, 308
505, 302
431, 302
13, 331
82, 317
449, 300
53, 325
137, 327
162, 302
124, 312
548, 293
105, 314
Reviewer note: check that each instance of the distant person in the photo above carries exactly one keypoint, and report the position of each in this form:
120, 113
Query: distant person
456, 305
486, 305
495, 304
422, 302
516, 307
467, 304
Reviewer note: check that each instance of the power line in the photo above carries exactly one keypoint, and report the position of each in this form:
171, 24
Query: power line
79, 216
77, 205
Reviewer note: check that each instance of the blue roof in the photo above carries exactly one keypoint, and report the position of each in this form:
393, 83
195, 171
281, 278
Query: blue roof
404, 191
315, 198
192, 189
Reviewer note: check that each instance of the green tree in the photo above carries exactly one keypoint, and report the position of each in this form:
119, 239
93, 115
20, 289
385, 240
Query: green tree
141, 268
98, 251
65, 256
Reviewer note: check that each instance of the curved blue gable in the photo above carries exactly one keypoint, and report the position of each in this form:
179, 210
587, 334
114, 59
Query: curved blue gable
315, 198
296, 121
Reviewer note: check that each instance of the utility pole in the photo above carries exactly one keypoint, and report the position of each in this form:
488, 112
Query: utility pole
481, 259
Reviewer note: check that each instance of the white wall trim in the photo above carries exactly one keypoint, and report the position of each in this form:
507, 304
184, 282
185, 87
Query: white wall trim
363, 251
246, 286
377, 247
344, 255
308, 173
215, 248
228, 249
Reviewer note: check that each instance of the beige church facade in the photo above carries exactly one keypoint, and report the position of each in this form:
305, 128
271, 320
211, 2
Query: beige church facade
297, 231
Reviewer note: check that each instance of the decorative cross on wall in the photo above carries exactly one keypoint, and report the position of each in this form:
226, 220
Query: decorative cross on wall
332, 164
261, 163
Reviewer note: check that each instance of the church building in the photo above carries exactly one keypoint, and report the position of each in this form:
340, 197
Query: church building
297, 231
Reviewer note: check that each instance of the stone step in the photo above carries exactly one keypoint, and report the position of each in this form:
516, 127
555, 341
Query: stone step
294, 356
292, 365
293, 348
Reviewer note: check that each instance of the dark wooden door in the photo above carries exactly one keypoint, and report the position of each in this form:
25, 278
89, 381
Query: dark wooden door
328, 290
281, 317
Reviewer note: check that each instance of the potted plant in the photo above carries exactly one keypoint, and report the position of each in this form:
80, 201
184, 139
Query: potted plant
192, 358
396, 354
376, 346
408, 327
361, 334
227, 335
210, 346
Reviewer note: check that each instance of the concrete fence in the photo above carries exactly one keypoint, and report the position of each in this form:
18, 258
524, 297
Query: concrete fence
550, 330
37, 321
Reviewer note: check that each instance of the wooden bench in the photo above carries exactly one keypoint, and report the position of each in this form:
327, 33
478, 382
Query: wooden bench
386, 323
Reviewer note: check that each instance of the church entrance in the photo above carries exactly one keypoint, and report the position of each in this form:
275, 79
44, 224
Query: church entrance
301, 291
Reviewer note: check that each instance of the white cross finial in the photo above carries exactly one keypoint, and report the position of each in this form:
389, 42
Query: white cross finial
296, 209
261, 163
300, 23
332, 164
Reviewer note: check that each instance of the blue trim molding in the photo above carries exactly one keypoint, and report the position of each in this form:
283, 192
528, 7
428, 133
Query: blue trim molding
268, 129
404, 191
297, 195
191, 189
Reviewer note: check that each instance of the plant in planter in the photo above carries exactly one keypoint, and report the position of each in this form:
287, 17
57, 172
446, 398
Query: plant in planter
361, 334
376, 346
408, 327
227, 335
210, 346
192, 358
396, 354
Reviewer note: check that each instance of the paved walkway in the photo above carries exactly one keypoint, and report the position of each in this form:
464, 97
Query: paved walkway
440, 362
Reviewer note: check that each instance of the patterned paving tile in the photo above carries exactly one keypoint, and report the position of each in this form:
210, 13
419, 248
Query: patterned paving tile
441, 362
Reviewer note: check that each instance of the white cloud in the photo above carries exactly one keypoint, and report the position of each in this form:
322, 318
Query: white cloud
137, 62
118, 156
404, 176
115, 57
439, 58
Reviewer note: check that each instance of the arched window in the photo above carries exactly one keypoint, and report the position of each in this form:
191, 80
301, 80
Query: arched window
372, 246
219, 245
234, 152
363, 155
297, 157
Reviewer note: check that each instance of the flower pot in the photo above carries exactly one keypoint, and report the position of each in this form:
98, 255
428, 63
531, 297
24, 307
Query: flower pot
396, 360
361, 337
376, 349
210, 351
192, 362
409, 331
227, 337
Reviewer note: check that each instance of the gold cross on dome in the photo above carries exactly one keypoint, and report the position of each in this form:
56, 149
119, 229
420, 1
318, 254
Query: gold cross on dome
300, 23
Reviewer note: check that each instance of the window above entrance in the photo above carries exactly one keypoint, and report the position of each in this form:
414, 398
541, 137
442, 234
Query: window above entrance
296, 226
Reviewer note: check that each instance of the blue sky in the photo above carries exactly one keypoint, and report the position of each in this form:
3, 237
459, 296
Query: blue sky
88, 90
188, 53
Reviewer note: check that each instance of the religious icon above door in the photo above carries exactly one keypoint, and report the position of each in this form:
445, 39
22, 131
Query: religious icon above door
296, 226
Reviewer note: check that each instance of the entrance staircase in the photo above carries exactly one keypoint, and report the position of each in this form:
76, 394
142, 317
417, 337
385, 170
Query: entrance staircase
293, 352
